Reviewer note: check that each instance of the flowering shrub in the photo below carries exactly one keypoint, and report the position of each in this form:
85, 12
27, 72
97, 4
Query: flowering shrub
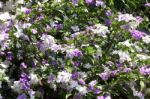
73, 49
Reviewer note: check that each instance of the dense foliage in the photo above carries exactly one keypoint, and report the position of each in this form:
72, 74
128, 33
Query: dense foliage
75, 49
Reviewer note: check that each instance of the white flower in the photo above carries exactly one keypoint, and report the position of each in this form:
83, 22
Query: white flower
20, 1
125, 17
143, 56
5, 64
48, 40
81, 89
126, 43
16, 86
34, 79
73, 84
19, 32
146, 39
101, 30
63, 77
5, 16
75, 28
124, 56
88, 65
93, 83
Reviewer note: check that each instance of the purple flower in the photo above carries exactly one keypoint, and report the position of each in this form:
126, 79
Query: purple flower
58, 26
27, 11
51, 78
137, 34
9, 55
77, 63
113, 73
90, 88
145, 70
74, 53
104, 75
139, 19
108, 22
22, 96
147, 4
75, 75
127, 70
81, 81
24, 80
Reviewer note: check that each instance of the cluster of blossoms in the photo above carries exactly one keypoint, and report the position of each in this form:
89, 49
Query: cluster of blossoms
72, 49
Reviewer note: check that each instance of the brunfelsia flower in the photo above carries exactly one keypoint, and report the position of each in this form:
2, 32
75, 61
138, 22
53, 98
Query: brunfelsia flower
22, 96
27, 11
125, 17
24, 80
104, 75
75, 2
147, 4
108, 13
145, 70
100, 29
137, 34
90, 2
63, 77
73, 53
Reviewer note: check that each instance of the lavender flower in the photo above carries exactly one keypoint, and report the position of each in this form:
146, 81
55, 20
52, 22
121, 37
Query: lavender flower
104, 75
90, 2
108, 13
75, 2
137, 34
145, 70
22, 96
100, 97
24, 80
97, 91
9, 55
100, 3
147, 4
77, 63
127, 70
74, 53
75, 75
108, 22
27, 11
81, 81
23, 65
